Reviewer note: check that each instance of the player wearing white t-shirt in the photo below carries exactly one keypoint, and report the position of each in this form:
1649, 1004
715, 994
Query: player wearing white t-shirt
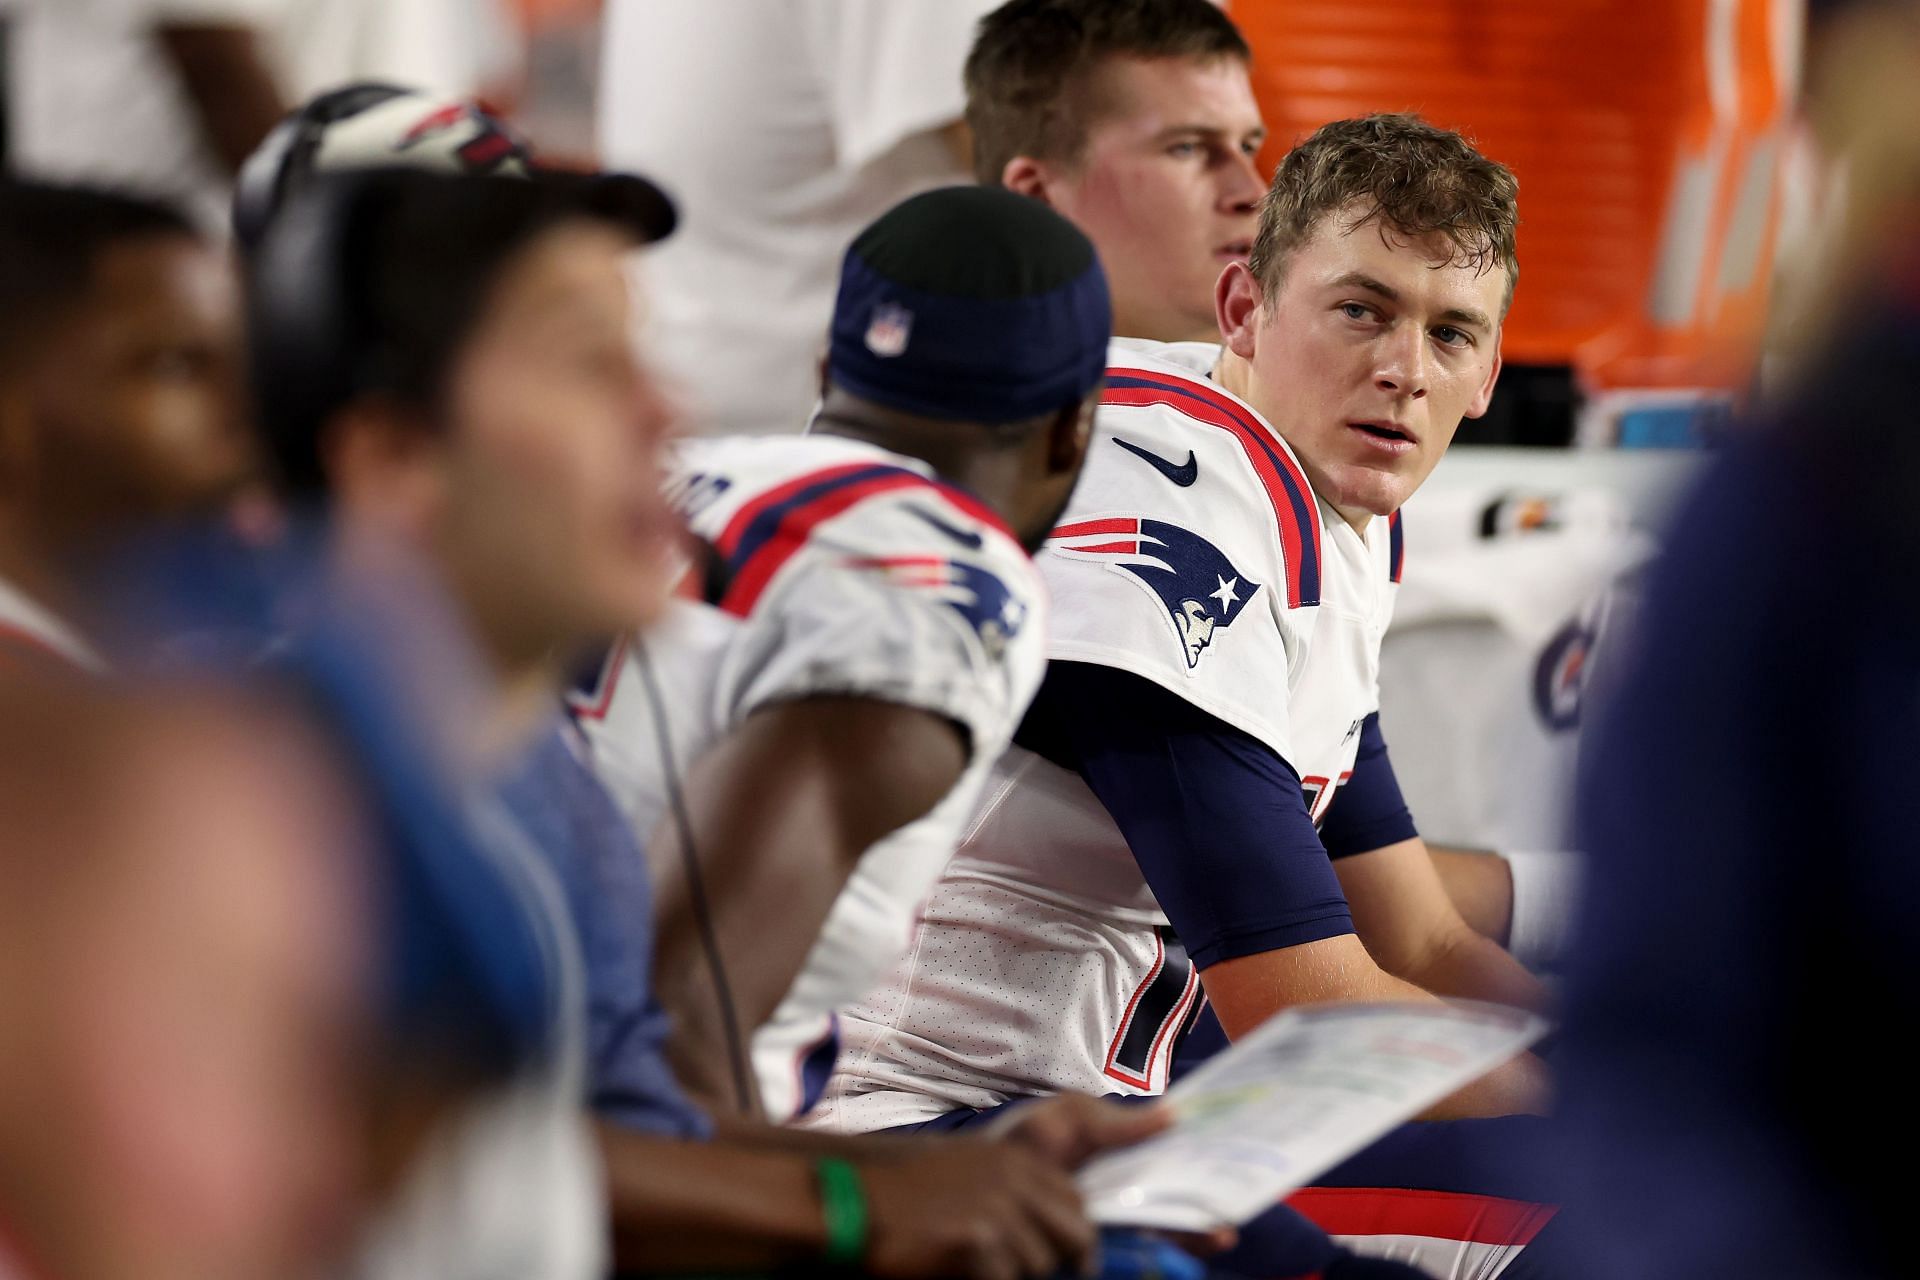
158, 96
868, 630
781, 130
1221, 583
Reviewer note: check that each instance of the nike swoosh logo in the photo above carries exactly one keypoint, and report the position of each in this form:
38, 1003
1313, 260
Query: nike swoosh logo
971, 541
1182, 473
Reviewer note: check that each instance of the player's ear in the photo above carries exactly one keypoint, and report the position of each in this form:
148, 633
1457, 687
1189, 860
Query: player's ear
1069, 433
384, 467
1025, 176
1484, 396
1237, 303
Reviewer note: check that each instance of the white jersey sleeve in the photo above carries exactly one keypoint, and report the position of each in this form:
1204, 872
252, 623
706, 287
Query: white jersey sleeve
866, 578
1190, 555
830, 568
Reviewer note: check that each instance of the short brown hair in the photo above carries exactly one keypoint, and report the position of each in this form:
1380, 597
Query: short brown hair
1026, 73
1412, 178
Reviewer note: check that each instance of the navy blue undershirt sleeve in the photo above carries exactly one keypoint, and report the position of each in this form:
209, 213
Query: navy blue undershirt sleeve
1215, 818
1369, 812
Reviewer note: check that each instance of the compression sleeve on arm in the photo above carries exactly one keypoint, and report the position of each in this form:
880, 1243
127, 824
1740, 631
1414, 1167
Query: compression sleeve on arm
1369, 812
1216, 820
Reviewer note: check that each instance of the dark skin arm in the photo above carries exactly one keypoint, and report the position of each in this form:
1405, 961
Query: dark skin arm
986, 1209
781, 810
227, 80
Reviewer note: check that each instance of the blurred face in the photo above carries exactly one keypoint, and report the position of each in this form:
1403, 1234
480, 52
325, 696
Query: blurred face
1166, 187
1365, 357
186, 1096
135, 404
552, 524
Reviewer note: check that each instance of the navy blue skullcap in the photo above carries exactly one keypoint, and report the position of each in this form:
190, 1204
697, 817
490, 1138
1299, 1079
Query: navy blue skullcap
971, 304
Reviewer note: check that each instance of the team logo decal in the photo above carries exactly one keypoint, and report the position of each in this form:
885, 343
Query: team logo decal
889, 329
1193, 580
970, 591
1559, 676
488, 149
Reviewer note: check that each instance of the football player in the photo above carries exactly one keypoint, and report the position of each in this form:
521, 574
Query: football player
1138, 122
1200, 801
869, 630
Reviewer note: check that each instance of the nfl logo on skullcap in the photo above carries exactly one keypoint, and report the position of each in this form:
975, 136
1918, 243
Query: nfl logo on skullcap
889, 329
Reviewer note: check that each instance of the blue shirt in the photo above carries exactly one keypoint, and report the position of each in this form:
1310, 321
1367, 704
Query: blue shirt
1748, 958
569, 816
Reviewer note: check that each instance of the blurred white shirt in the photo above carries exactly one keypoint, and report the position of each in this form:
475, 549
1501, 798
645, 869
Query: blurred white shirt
92, 96
781, 130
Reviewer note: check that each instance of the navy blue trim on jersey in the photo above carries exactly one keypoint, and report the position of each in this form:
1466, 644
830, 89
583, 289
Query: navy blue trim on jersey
1396, 547
1216, 408
1369, 812
816, 1066
1215, 818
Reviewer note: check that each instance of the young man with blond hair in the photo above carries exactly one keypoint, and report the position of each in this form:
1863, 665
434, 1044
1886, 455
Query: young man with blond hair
1200, 808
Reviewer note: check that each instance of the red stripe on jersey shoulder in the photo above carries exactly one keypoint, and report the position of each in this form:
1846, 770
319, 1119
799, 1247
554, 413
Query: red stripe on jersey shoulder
771, 528
1296, 513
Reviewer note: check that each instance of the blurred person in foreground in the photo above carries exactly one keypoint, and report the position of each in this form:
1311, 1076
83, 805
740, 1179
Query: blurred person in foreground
443, 379
185, 1003
445, 365
1752, 789
261, 962
120, 399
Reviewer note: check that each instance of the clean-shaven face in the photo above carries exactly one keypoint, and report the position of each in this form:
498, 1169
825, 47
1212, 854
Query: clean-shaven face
1367, 354
1166, 187
554, 511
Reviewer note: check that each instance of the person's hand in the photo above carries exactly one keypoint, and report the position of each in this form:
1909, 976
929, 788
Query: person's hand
977, 1209
1071, 1129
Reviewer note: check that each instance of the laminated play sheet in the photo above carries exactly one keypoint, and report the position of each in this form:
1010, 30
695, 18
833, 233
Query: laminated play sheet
1306, 1090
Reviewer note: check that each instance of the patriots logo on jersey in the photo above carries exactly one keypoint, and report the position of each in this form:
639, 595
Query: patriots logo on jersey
972, 592
1199, 587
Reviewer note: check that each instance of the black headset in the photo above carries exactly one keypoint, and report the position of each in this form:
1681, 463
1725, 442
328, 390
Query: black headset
287, 154
312, 344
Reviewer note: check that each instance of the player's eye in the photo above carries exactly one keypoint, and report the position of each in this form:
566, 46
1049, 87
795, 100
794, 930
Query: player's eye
1184, 150
1356, 311
1453, 337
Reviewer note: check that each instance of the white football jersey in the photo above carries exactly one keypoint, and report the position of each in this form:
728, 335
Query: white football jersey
834, 567
1194, 555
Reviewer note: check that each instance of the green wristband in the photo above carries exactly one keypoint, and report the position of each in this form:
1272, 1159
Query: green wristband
843, 1203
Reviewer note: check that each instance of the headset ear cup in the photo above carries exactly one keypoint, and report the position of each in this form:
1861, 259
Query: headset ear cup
257, 191
285, 159
304, 339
